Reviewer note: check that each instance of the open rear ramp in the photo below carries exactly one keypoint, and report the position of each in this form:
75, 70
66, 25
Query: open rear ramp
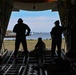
35, 65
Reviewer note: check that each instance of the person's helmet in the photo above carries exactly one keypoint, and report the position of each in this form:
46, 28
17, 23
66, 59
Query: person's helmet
39, 38
20, 20
56, 22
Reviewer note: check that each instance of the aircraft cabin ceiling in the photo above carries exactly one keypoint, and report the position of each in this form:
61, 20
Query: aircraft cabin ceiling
35, 5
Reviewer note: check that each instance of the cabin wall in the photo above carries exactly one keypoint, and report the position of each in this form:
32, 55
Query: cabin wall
67, 10
5, 12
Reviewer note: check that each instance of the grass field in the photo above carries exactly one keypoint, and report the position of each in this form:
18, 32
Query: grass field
10, 44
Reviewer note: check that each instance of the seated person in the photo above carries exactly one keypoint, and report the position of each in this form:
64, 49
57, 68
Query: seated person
40, 47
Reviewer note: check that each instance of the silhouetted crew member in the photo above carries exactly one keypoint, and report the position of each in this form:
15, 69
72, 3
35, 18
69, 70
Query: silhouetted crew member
20, 29
40, 47
56, 35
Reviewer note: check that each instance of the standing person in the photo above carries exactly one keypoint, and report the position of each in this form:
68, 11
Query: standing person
20, 29
56, 35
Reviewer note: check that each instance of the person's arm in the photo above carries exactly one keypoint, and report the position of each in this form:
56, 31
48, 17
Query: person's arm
51, 33
36, 46
14, 29
28, 31
44, 46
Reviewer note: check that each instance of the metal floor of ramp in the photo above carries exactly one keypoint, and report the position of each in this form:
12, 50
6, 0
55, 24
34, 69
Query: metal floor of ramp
35, 65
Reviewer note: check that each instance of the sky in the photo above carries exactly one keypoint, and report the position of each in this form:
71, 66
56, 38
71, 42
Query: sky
38, 21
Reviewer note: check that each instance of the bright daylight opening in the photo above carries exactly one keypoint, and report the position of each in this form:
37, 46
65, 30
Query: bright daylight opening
40, 23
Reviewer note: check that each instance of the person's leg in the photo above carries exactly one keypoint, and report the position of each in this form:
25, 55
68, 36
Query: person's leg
17, 43
59, 49
41, 54
53, 48
24, 44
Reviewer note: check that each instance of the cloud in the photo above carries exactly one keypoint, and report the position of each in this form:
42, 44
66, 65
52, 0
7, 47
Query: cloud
42, 23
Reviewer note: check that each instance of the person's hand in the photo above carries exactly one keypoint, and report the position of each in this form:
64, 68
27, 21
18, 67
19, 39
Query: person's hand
26, 34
